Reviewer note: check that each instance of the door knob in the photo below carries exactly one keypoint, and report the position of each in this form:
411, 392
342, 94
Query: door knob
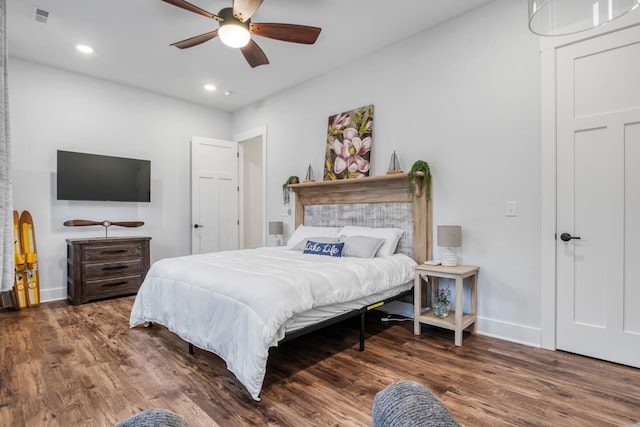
565, 237
198, 225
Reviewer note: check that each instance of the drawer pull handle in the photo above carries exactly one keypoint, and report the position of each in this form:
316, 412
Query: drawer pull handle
113, 251
107, 285
115, 267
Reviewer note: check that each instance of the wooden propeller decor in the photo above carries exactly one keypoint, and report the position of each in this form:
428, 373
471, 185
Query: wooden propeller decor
237, 19
84, 222
106, 224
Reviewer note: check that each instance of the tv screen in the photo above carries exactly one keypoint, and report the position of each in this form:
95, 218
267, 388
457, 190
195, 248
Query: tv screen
83, 176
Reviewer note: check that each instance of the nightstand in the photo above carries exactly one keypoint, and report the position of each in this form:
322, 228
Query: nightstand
456, 320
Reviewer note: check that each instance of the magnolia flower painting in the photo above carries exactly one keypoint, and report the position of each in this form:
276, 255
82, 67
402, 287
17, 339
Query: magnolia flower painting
348, 150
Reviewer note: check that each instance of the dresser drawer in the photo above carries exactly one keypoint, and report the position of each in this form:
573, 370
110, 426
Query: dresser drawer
102, 288
112, 251
127, 267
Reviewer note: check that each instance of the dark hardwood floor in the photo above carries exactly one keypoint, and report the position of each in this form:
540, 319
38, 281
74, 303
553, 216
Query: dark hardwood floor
63, 365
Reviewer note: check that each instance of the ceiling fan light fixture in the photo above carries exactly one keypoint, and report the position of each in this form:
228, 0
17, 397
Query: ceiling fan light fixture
233, 32
234, 35
563, 17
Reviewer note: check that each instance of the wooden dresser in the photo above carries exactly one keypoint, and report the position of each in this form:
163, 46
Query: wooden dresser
105, 267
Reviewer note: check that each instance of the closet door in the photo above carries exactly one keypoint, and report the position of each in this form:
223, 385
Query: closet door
598, 197
214, 195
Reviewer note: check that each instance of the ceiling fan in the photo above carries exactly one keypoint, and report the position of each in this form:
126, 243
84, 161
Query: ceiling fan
235, 29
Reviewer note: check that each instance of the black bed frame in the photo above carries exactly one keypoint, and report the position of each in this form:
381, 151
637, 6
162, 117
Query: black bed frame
361, 311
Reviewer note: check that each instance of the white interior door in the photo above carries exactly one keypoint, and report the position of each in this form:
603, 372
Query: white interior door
214, 195
598, 158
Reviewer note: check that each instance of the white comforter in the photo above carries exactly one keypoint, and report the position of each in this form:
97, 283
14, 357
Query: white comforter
236, 303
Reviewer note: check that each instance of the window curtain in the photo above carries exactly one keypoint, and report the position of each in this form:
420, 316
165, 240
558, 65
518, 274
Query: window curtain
6, 188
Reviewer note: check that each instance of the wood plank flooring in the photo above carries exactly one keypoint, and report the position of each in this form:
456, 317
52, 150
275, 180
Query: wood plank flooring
63, 365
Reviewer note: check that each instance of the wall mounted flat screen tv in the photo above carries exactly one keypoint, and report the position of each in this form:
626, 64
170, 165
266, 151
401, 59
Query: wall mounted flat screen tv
83, 176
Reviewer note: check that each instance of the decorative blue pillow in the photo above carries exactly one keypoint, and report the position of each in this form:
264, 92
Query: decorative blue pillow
329, 249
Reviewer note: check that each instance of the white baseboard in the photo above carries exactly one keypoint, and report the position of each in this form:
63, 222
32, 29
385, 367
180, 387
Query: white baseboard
520, 334
56, 294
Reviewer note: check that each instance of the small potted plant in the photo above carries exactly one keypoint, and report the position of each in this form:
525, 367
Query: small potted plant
420, 166
441, 303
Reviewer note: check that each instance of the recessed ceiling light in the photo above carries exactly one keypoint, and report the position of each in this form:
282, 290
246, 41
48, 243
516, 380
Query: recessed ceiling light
209, 87
84, 48
227, 93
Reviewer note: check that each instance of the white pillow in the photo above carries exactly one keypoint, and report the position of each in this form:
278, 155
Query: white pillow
304, 232
391, 237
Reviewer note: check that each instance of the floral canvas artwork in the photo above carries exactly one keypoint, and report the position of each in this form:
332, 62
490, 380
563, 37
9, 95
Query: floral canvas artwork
348, 150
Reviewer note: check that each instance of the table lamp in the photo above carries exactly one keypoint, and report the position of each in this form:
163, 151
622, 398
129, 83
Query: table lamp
449, 237
276, 228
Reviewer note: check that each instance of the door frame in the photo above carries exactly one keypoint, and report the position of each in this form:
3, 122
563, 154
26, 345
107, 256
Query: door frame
240, 137
548, 208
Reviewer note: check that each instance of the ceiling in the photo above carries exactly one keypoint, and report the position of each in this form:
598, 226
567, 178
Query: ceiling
131, 41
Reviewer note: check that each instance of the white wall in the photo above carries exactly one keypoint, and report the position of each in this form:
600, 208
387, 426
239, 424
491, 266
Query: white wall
52, 109
465, 97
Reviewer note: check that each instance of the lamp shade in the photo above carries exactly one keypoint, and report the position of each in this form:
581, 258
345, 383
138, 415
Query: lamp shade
450, 236
276, 227
232, 31
562, 17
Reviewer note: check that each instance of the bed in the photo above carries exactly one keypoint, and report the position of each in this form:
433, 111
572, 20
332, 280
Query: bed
238, 304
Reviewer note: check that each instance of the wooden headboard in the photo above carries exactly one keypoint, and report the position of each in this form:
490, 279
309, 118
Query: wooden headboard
376, 189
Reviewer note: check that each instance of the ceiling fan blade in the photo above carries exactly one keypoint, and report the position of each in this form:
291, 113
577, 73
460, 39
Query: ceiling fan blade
192, 8
194, 41
287, 32
243, 9
254, 55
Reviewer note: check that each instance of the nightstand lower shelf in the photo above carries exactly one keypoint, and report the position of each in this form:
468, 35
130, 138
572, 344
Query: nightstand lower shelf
428, 318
